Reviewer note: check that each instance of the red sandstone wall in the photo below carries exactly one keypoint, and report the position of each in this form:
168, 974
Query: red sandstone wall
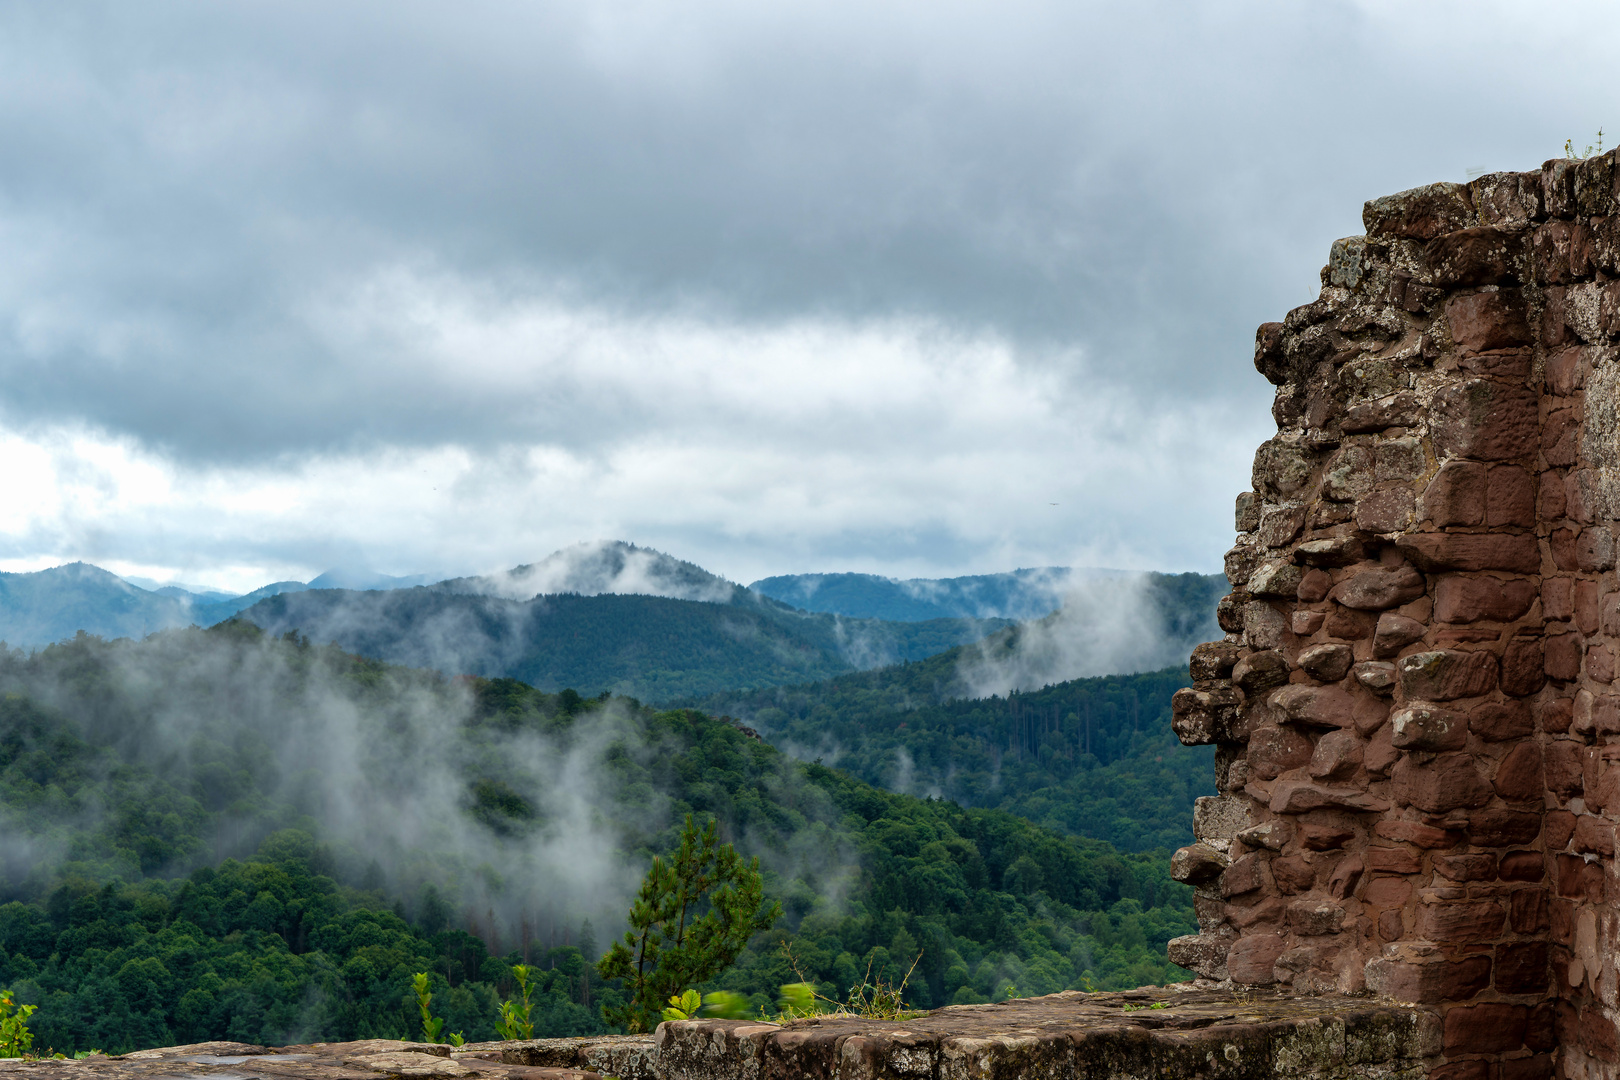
1418, 733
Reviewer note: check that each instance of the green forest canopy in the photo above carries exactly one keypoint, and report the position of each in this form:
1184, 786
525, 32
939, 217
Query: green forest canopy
206, 837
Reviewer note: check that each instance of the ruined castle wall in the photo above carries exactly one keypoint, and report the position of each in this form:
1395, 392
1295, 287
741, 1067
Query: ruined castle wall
1417, 727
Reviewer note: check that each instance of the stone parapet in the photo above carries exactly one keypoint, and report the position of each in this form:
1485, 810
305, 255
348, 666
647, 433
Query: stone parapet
1151, 1034
1145, 1035
1414, 705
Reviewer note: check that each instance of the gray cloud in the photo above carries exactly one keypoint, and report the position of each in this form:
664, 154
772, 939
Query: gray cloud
265, 235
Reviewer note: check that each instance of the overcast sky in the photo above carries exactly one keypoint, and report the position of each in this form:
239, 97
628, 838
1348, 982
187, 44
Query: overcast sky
914, 288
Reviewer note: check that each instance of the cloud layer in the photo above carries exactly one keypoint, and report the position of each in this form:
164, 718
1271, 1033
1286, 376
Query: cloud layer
777, 288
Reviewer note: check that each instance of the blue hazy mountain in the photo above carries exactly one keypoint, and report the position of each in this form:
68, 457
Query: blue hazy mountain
1018, 594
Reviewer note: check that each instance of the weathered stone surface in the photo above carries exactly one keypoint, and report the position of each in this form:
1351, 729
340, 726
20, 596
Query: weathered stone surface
1434, 552
1069, 1036
1331, 552
1328, 663
1488, 320
1461, 599
1447, 674
1316, 706
1197, 863
1213, 660
1449, 781
1261, 671
1377, 676
1421, 213
366, 1060
1424, 975
1426, 727
1380, 588
1394, 633
1275, 579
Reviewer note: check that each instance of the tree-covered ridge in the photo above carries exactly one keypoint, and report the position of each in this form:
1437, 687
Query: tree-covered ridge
1088, 757
649, 647
125, 765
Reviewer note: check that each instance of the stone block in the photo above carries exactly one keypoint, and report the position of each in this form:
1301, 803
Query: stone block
1499, 721
1594, 549
1561, 657
1393, 860
1313, 918
1338, 756
1203, 953
1447, 674
1486, 420
1415, 832
1260, 672
1386, 511
1330, 553
1522, 866
1315, 706
1347, 624
1489, 320
1472, 598
1275, 579
1447, 782
1377, 676
1593, 835
1380, 588
1427, 977
1460, 921
1400, 458
1425, 727
1394, 633
1213, 660
1327, 663
1480, 255
1507, 198
1220, 817
1269, 357
1313, 586
1196, 864
1229, 611
1529, 911
1435, 552
1272, 835
1551, 498
1456, 495
1521, 968
1201, 717
1477, 866
1511, 498
1282, 467
1523, 667
1275, 750
1503, 828
1279, 525
1421, 213
1324, 835
1519, 775
1298, 797
1293, 874
1251, 960
1395, 410
1491, 1028
1263, 625
1246, 512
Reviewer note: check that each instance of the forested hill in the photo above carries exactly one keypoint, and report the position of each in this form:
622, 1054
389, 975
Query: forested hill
649, 647
389, 821
1090, 757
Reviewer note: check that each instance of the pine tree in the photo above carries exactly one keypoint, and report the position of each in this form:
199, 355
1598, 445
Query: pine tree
692, 917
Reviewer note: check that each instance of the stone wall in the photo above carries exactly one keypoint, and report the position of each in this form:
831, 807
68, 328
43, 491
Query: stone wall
1414, 708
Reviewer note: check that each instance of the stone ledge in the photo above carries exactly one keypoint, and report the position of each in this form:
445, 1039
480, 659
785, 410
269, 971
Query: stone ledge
1149, 1034
1155, 1033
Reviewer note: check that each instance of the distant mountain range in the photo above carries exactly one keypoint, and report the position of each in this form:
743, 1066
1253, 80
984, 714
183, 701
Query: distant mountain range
1019, 594
610, 616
